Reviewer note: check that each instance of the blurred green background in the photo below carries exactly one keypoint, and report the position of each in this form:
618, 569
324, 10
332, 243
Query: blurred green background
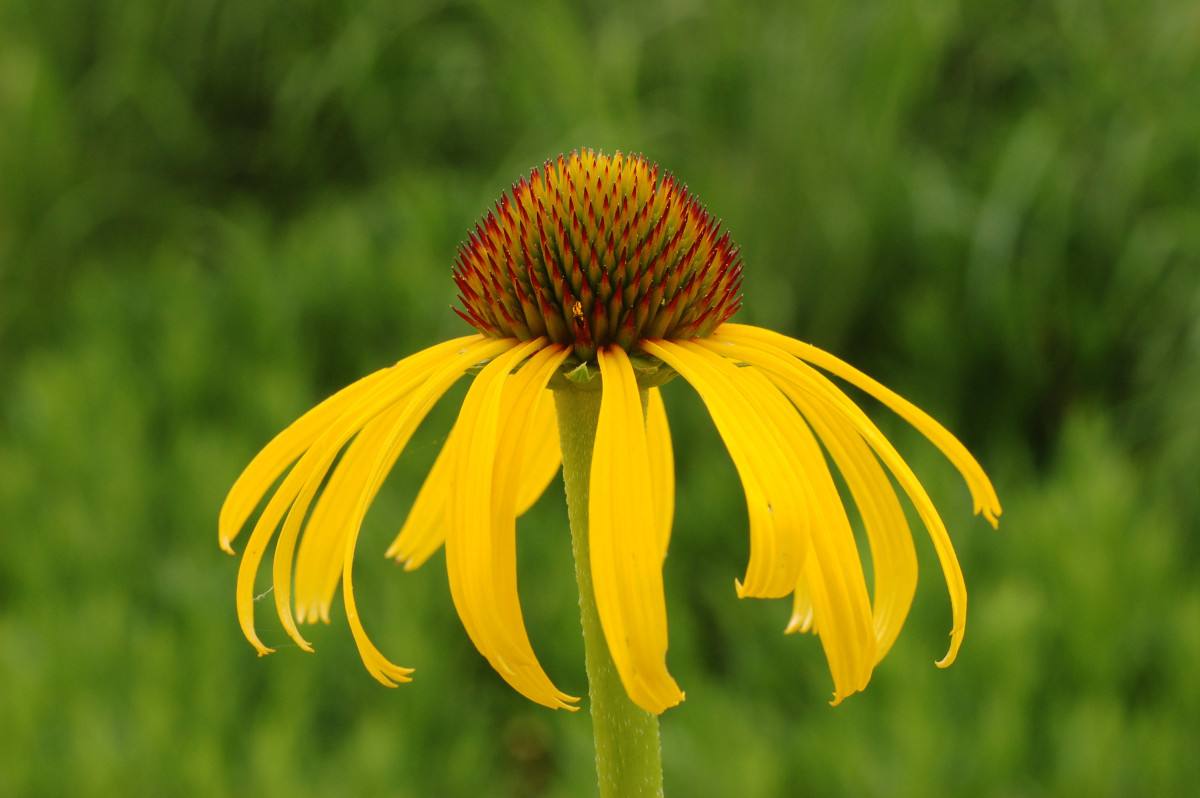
213, 214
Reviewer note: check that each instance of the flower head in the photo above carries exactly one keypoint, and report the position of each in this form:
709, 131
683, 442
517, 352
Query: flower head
600, 273
593, 251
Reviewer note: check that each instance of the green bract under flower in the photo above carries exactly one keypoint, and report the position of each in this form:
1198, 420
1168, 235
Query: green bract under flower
593, 250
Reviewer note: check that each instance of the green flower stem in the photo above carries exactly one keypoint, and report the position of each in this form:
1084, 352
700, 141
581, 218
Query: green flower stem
628, 754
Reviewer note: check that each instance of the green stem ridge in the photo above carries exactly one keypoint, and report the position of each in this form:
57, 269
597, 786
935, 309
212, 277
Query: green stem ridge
628, 753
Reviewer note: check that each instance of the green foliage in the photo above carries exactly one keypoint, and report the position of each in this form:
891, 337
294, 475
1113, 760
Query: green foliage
213, 214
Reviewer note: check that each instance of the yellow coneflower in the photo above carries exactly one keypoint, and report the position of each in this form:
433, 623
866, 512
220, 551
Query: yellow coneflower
600, 274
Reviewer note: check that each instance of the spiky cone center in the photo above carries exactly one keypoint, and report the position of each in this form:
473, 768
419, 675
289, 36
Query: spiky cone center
594, 250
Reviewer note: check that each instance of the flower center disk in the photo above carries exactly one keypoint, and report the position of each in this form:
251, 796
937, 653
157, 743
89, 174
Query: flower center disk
593, 250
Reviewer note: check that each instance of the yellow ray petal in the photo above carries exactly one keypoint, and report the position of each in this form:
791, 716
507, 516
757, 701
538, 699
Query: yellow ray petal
424, 530
319, 560
256, 547
524, 393
335, 533
662, 467
281, 452
802, 619
982, 493
542, 456
833, 572
323, 452
481, 532
779, 519
891, 542
843, 611
805, 378
298, 486
313, 465
839, 633
625, 555
892, 550
421, 402
285, 447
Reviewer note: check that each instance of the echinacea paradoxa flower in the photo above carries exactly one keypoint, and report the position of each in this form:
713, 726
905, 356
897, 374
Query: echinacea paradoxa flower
600, 273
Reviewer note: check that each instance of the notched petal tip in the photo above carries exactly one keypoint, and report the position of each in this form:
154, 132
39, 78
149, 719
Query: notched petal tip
380, 667
798, 623
226, 544
308, 613
562, 700
403, 558
313, 613
393, 678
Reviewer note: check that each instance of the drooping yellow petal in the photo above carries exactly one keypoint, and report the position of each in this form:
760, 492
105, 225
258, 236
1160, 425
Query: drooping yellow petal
470, 466
424, 530
297, 489
319, 559
312, 466
779, 518
892, 550
662, 467
625, 555
833, 571
781, 365
542, 456
285, 447
524, 393
384, 447
481, 529
982, 493
421, 402
843, 612
802, 619
373, 437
